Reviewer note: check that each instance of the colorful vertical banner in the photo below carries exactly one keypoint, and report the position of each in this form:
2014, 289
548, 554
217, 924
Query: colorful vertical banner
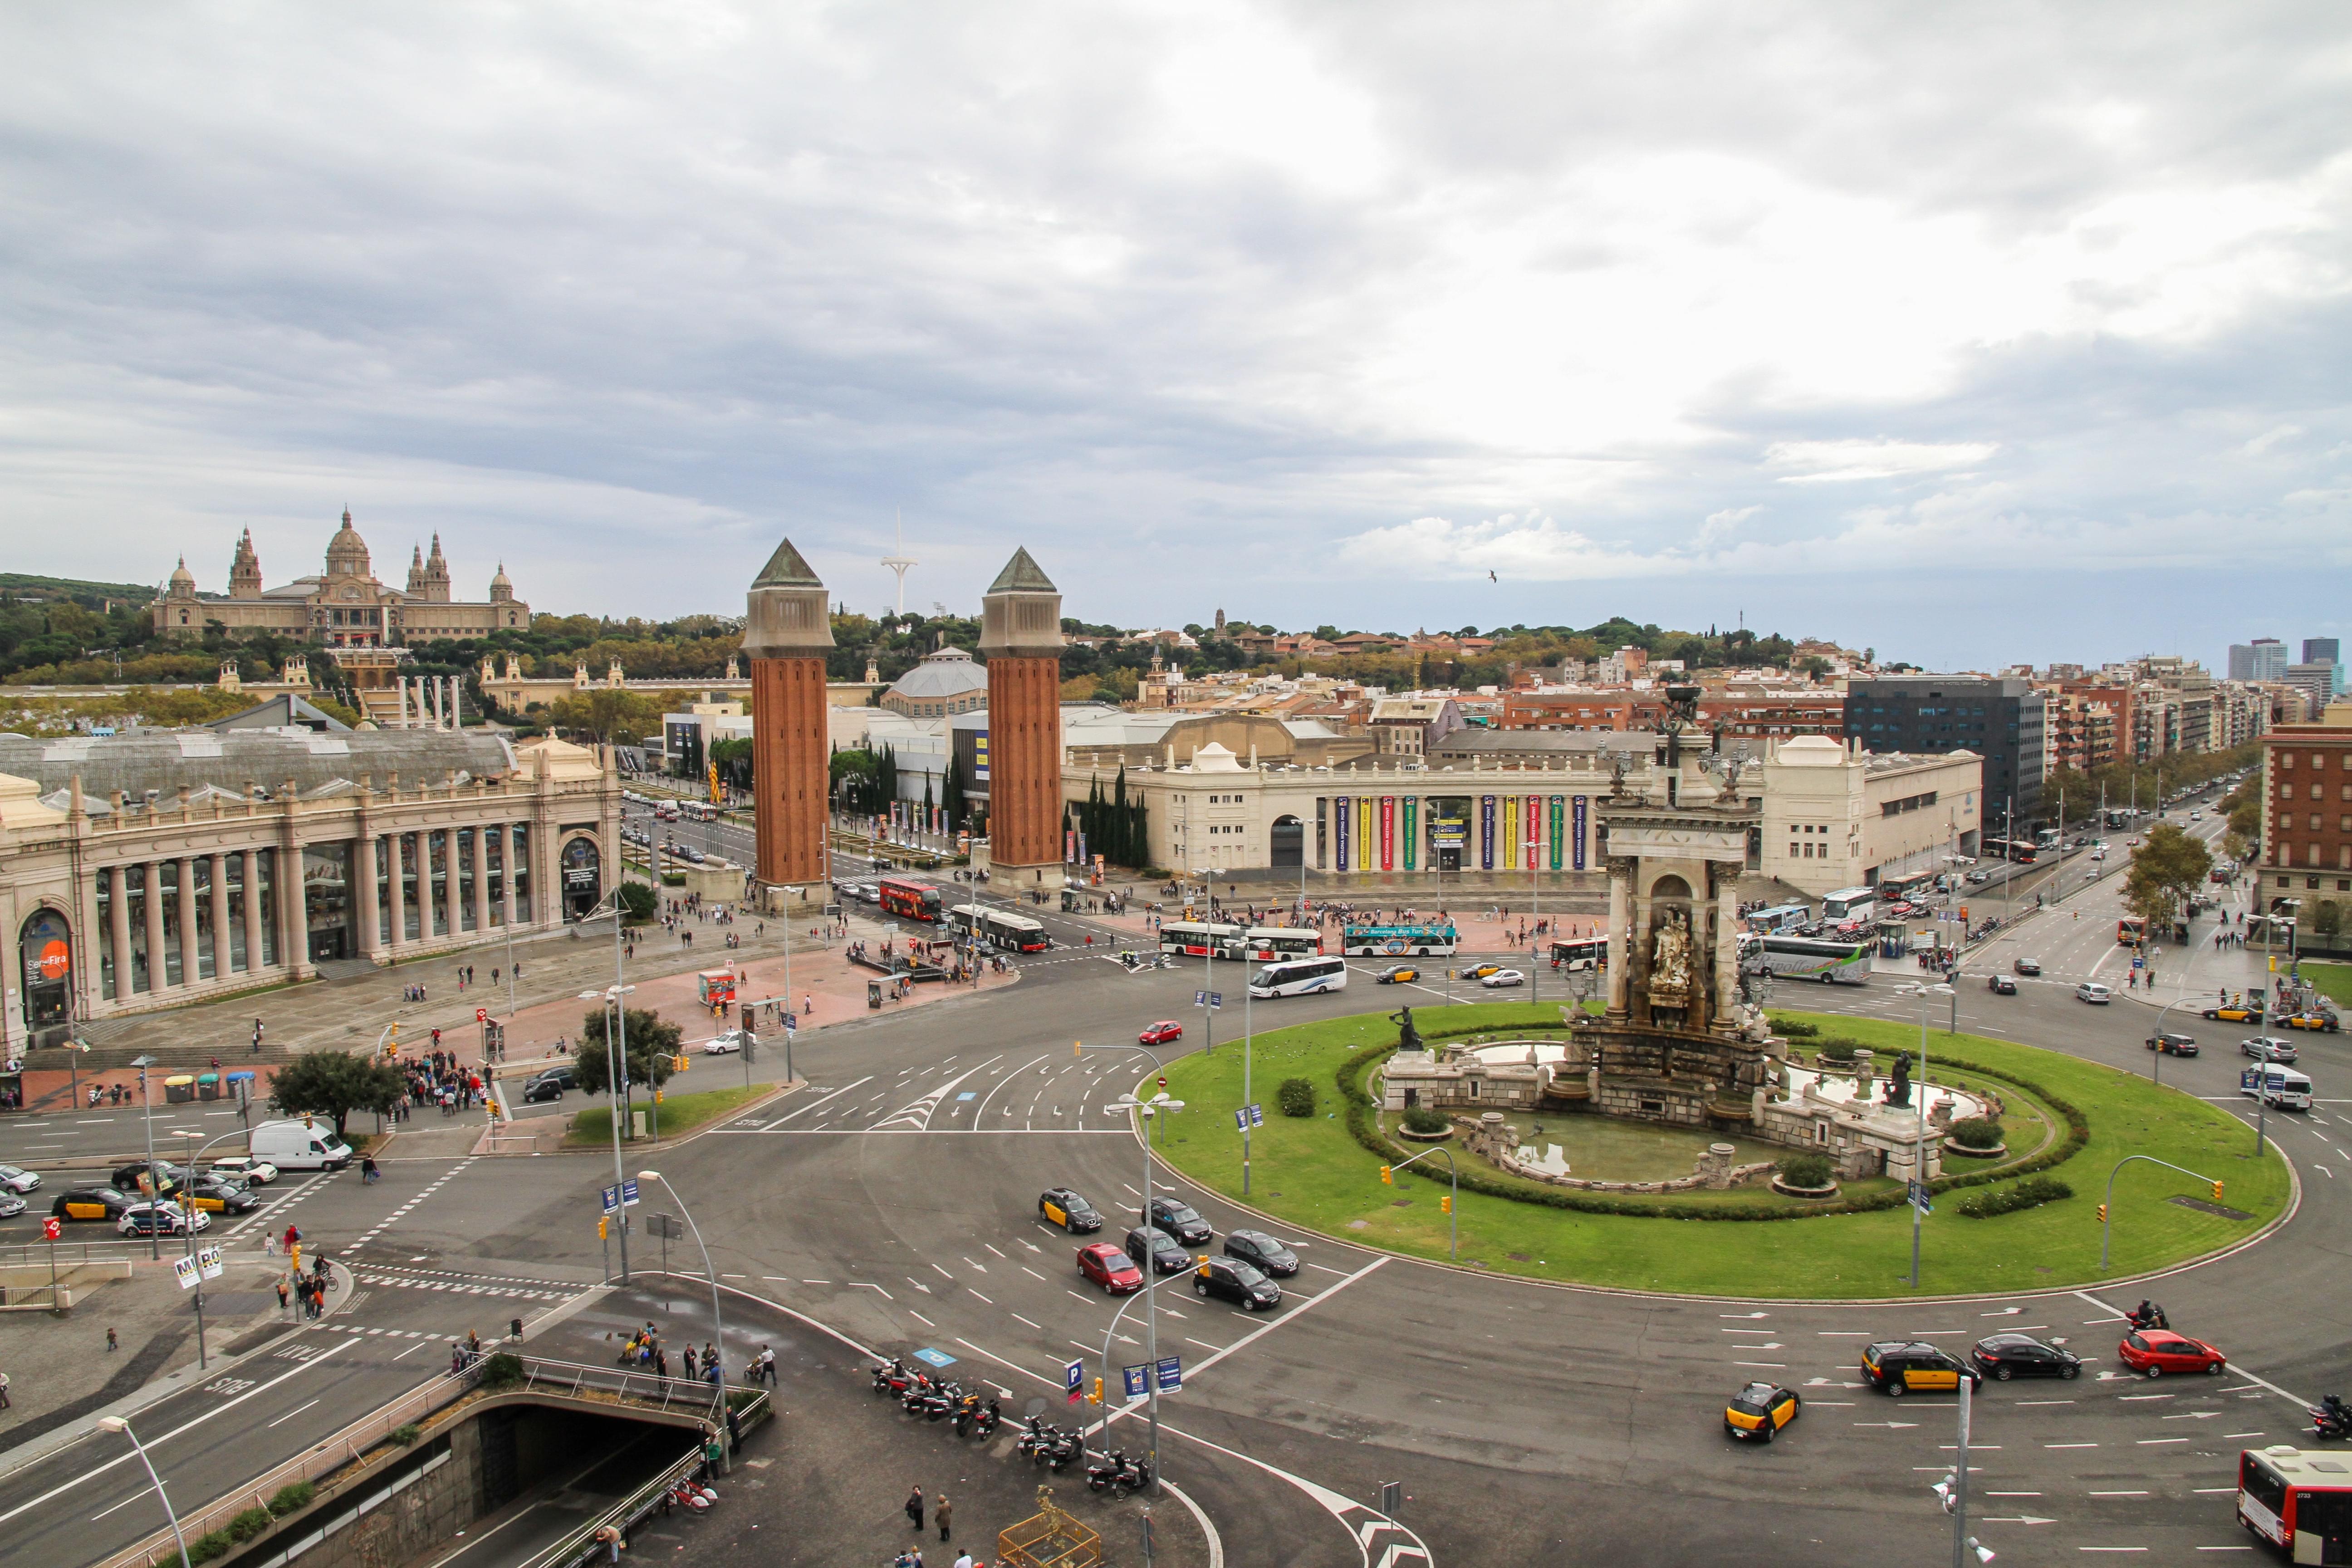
1411, 832
1069, 845
1387, 833
1486, 832
1342, 819
1511, 833
1364, 830
1534, 820
1576, 839
1559, 807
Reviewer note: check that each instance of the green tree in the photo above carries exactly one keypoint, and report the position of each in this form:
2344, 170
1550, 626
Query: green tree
652, 1041
334, 1083
734, 761
638, 902
2167, 867
951, 792
603, 714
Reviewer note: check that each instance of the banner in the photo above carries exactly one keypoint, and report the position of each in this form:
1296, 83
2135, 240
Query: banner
1387, 833
1411, 832
1558, 807
1511, 833
1534, 821
1364, 831
1576, 839
1486, 832
1342, 819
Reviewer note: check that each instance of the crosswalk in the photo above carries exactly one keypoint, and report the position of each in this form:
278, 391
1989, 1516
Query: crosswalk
468, 1285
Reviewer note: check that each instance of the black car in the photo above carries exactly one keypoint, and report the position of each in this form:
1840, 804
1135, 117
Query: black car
2172, 1044
1154, 1249
1231, 1279
2027, 966
2022, 1355
1179, 1219
543, 1087
132, 1178
1261, 1251
1068, 1209
89, 1203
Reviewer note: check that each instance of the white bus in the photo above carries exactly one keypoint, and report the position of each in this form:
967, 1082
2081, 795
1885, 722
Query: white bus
1000, 929
1276, 942
1200, 939
1580, 953
1300, 977
1850, 904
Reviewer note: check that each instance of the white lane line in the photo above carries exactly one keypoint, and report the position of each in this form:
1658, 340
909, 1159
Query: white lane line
291, 1414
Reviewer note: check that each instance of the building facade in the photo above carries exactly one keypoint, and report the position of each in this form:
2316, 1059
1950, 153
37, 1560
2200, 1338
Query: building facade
1838, 818
2307, 811
2264, 659
1999, 718
346, 606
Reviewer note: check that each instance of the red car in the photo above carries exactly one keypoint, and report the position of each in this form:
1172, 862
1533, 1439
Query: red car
1110, 1267
1160, 1033
2159, 1350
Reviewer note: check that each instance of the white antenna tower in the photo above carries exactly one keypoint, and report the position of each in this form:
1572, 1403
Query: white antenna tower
899, 562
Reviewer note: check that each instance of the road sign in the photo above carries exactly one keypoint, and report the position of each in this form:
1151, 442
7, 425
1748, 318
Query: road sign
629, 1192
612, 1200
184, 1270
481, 1015
1921, 1198
1199, 998
665, 1227
1074, 1379
1171, 1373
936, 1358
51, 1228
209, 1264
1138, 1380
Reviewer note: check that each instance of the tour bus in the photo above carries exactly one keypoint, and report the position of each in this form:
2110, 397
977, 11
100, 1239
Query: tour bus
1000, 928
1781, 916
1300, 977
1807, 958
2298, 1499
915, 900
1850, 904
1201, 939
1398, 942
2012, 849
1277, 942
2274, 1085
1581, 952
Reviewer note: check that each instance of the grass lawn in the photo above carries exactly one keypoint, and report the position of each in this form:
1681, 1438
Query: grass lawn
2332, 980
1310, 1174
680, 1114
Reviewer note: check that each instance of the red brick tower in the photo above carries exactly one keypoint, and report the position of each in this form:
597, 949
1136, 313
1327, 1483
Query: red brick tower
787, 636
1020, 633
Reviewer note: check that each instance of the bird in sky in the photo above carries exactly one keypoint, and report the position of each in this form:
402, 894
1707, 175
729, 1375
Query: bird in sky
1491, 577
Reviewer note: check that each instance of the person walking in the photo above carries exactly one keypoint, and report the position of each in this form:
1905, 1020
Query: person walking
943, 1510
915, 1507
3, 1391
256, 1036
112, 1345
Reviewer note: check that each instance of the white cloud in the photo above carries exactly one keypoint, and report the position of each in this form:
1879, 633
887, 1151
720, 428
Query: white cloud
1823, 462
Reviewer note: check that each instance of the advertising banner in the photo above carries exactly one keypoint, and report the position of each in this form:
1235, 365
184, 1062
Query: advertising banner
1511, 835
1559, 809
1411, 832
1486, 832
1535, 832
1576, 829
1343, 817
1364, 831
1387, 833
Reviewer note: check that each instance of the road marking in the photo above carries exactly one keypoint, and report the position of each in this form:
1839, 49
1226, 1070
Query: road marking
2070, 1445
920, 1319
291, 1414
2119, 1494
2153, 1441
1039, 1327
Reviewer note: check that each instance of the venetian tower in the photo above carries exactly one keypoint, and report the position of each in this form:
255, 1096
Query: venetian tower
1020, 636
787, 635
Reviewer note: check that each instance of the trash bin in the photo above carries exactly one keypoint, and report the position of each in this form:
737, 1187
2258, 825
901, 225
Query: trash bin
208, 1086
179, 1089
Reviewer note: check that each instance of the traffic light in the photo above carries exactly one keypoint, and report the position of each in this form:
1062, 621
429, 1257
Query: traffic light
2217, 1191
604, 1227
683, 1062
2103, 1213
1388, 1177
1446, 1204
1096, 1397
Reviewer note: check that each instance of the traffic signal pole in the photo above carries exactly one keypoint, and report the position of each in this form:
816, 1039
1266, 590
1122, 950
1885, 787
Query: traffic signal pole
2106, 1209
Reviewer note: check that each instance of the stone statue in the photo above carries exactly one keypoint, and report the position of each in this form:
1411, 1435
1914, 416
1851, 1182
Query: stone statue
1898, 1088
1617, 790
1408, 1038
1670, 954
1729, 793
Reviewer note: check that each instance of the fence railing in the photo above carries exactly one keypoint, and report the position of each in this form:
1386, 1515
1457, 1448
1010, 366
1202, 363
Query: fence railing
36, 1254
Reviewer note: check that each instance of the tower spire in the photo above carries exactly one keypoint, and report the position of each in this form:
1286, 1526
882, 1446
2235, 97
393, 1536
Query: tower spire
898, 561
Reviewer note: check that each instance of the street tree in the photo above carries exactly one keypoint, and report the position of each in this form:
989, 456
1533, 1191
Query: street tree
652, 1041
335, 1083
2166, 870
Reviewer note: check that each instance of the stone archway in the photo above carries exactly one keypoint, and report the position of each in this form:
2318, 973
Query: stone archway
45, 942
580, 867
1288, 844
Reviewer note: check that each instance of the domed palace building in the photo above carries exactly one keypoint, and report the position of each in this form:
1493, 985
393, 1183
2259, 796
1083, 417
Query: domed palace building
346, 608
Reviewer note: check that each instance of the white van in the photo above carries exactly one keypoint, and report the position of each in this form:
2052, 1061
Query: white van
300, 1146
1300, 977
2282, 1087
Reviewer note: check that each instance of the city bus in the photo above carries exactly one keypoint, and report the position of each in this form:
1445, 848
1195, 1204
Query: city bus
1201, 939
915, 900
1781, 916
1278, 942
1000, 928
1849, 904
1300, 977
2298, 1499
1807, 958
2017, 850
1582, 952
2130, 931
1904, 885
1398, 942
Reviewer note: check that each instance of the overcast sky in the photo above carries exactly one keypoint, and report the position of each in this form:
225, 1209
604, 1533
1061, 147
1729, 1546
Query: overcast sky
1975, 333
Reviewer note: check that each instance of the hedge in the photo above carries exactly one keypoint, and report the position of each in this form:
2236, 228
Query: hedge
1295, 1096
1365, 1131
1976, 1133
2030, 1193
1422, 1119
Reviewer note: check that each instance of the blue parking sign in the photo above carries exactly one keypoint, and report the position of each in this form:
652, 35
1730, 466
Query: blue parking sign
1074, 1380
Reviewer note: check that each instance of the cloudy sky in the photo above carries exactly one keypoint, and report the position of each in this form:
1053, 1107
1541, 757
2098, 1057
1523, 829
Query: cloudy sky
1975, 333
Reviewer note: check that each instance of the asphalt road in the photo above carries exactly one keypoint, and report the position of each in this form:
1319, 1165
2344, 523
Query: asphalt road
894, 1198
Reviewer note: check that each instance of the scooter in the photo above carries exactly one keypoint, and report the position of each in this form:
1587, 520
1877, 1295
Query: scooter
2331, 1418
891, 1376
2148, 1315
1120, 1476
986, 1419
1034, 1435
1057, 1454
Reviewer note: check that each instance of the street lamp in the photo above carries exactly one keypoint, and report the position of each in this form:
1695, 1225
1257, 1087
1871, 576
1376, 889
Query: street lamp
1158, 1104
719, 1321
147, 1121
1919, 1141
617, 1076
116, 1424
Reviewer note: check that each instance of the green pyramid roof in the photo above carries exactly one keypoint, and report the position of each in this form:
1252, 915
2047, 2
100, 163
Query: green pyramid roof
1021, 575
786, 569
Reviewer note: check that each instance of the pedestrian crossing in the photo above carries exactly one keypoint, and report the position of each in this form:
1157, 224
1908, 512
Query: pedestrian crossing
396, 1216
460, 1285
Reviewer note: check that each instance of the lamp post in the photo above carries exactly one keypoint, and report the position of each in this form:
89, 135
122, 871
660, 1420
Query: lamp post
116, 1424
718, 1320
189, 1205
1919, 1139
1208, 959
1158, 1104
2156, 1053
1453, 1204
1534, 922
616, 1070
147, 1122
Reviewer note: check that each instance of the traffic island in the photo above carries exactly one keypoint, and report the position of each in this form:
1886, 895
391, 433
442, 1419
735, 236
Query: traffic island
2064, 1117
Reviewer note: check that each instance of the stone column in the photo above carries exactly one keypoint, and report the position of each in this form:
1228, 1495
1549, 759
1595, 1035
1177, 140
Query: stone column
1727, 949
452, 887
397, 898
1620, 914
222, 967
251, 871
364, 863
155, 905
507, 868
191, 968
294, 905
481, 858
118, 921
787, 635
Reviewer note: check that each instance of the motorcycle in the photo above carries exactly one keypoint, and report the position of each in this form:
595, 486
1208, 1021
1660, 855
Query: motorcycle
891, 1376
936, 1405
1120, 1476
1035, 1434
2148, 1315
967, 1410
984, 1420
1057, 1454
2331, 1419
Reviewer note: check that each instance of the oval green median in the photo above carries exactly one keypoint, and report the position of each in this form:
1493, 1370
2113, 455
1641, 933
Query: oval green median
1312, 1174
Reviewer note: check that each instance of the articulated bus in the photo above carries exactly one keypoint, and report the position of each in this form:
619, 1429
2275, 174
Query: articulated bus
2298, 1499
1000, 929
1201, 939
1398, 942
1582, 952
1276, 942
1807, 958
2015, 849
1781, 916
1850, 904
915, 900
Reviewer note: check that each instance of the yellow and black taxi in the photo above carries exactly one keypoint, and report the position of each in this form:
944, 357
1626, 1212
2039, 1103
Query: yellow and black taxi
2309, 1020
1480, 971
1760, 1410
215, 1194
1398, 975
1898, 1367
1064, 1207
89, 1203
2235, 1011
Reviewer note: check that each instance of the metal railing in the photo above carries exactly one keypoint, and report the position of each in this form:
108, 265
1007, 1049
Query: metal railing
36, 1254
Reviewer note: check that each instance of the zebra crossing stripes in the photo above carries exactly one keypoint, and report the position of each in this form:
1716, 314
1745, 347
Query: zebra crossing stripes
456, 1288
396, 1216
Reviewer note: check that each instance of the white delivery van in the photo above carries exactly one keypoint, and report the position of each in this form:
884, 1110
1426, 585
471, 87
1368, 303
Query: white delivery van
300, 1146
2274, 1085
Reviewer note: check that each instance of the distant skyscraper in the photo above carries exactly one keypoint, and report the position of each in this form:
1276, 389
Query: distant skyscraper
2321, 650
2264, 659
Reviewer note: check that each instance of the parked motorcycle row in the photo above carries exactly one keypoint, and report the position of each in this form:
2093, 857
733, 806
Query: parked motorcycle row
1049, 1448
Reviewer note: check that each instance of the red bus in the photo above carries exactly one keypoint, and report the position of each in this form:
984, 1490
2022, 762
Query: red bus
915, 900
2299, 1500
2130, 931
